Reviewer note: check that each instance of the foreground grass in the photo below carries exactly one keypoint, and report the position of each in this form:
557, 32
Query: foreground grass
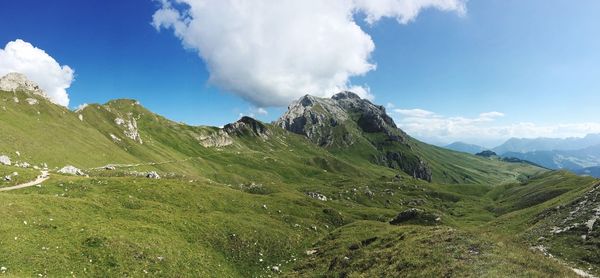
23, 175
128, 226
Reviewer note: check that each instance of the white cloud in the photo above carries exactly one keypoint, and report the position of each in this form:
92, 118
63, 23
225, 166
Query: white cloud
405, 11
254, 112
483, 130
262, 111
273, 51
414, 113
22, 57
80, 107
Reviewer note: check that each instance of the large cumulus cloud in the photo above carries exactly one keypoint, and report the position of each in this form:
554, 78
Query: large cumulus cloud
272, 51
22, 57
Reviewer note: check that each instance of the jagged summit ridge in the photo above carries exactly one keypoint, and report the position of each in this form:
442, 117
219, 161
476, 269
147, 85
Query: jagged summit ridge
247, 126
15, 81
347, 121
317, 118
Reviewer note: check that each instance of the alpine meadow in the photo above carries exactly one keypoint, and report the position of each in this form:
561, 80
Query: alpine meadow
201, 138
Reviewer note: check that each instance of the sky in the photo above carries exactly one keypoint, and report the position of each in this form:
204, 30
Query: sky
446, 70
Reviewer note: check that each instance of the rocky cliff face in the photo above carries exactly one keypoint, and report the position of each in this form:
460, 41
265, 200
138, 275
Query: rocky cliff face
316, 118
346, 120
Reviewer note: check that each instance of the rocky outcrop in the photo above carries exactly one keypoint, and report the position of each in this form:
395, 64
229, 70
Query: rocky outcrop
370, 118
322, 120
130, 128
408, 163
13, 82
317, 119
247, 126
71, 170
345, 119
216, 139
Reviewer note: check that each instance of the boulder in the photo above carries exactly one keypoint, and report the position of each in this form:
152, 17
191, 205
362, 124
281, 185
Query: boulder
31, 101
152, 175
317, 196
5, 160
71, 170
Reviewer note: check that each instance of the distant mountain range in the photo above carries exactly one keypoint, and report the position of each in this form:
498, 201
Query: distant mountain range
465, 147
580, 155
590, 171
574, 160
524, 145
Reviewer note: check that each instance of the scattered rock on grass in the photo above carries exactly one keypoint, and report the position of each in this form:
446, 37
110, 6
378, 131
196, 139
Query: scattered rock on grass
312, 252
317, 196
71, 170
153, 175
5, 160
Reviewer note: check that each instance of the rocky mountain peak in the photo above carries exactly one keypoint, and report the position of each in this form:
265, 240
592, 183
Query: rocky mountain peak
15, 81
345, 95
317, 118
247, 126
345, 120
307, 100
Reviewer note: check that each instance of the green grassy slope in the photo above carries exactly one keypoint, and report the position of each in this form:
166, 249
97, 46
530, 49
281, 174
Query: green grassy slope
461, 168
238, 210
127, 226
48, 133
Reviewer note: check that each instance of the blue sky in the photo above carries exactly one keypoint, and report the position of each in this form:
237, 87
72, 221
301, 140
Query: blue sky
535, 63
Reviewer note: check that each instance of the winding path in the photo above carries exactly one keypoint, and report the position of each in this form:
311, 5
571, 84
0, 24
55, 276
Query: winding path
41, 178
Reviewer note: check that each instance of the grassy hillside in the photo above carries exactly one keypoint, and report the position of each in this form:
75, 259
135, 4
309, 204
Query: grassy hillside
51, 134
235, 203
128, 226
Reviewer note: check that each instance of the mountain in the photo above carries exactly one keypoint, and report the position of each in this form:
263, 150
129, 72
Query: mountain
359, 131
574, 160
590, 171
465, 147
347, 121
524, 145
332, 188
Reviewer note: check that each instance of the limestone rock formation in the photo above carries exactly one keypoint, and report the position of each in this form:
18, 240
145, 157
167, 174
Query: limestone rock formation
71, 170
345, 121
247, 126
19, 82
